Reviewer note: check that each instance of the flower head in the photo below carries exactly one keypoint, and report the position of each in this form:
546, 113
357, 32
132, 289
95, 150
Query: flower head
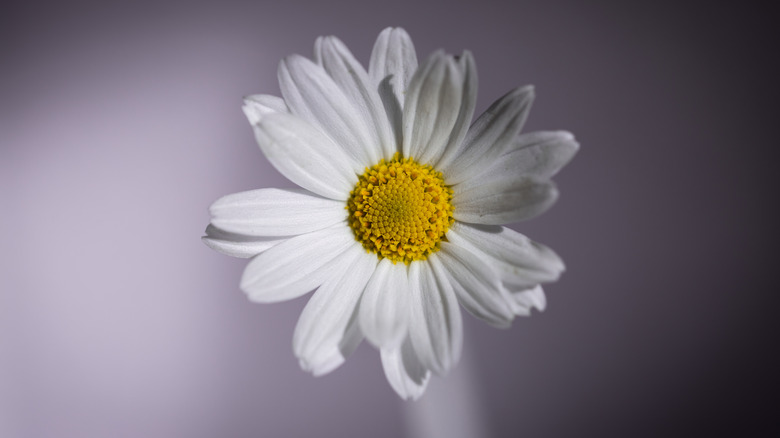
398, 218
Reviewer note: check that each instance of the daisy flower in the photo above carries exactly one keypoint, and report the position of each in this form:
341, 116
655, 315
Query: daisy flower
399, 214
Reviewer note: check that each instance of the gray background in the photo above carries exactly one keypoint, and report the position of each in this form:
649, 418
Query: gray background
121, 123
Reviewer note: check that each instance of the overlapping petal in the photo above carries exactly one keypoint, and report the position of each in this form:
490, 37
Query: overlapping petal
298, 265
315, 97
393, 56
352, 78
489, 136
258, 105
432, 108
518, 260
239, 245
516, 185
503, 199
436, 327
327, 330
526, 299
305, 156
404, 371
275, 212
475, 283
466, 111
384, 308
533, 158
539, 155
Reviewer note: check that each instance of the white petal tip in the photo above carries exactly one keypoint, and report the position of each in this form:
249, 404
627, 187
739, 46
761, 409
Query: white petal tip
319, 370
412, 391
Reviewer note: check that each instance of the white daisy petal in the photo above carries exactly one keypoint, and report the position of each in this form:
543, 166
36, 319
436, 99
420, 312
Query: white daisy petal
237, 245
519, 260
526, 299
404, 371
432, 108
305, 156
503, 199
384, 308
393, 62
393, 55
534, 156
469, 73
314, 96
318, 50
476, 285
298, 265
538, 154
321, 340
490, 135
275, 212
352, 78
436, 327
334, 357
258, 105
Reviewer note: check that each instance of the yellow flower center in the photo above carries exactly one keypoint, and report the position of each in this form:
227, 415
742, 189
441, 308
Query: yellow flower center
400, 209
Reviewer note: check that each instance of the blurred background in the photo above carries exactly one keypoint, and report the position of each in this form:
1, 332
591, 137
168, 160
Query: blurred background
120, 123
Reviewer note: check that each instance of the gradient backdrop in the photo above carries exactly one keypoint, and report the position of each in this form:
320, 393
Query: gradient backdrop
121, 123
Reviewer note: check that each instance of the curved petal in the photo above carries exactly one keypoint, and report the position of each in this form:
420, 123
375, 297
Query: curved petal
404, 371
313, 96
502, 199
318, 50
327, 327
333, 358
432, 108
352, 78
298, 265
436, 327
393, 55
393, 62
258, 105
305, 156
539, 155
275, 212
534, 156
384, 308
490, 135
519, 261
475, 284
469, 73
526, 299
237, 245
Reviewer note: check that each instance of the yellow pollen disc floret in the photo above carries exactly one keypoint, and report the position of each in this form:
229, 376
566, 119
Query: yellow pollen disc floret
400, 209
